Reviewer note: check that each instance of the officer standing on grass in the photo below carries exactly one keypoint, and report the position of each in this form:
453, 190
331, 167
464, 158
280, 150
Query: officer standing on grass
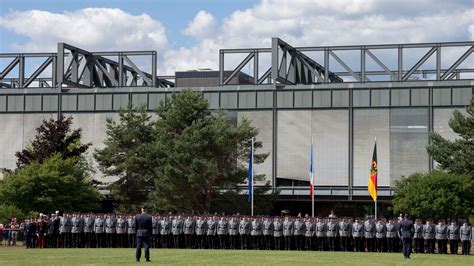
429, 236
406, 234
466, 238
143, 226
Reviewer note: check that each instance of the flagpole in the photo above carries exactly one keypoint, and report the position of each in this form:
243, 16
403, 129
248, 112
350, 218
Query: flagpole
312, 179
376, 187
253, 139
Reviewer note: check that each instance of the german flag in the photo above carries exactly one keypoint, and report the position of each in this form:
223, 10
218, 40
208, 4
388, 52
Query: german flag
372, 187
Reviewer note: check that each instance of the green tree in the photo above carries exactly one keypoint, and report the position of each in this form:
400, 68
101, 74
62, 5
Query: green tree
9, 211
435, 195
125, 156
55, 184
52, 136
200, 157
456, 156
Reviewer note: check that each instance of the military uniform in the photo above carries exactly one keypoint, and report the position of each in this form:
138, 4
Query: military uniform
222, 231
321, 231
121, 230
256, 233
288, 227
331, 234
88, 231
99, 231
392, 236
369, 227
267, 233
211, 233
233, 232
65, 227
201, 225
76, 231
189, 228
441, 236
131, 232
165, 233
344, 234
466, 238
380, 236
357, 235
309, 234
177, 231
110, 232
277, 233
453, 236
244, 231
418, 237
429, 236
298, 233
155, 231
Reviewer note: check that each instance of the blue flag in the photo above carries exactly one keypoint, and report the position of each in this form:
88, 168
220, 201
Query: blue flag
250, 174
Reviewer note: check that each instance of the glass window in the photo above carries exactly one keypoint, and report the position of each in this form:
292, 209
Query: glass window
103, 102
322, 98
3, 103
303, 99
264, 99
69, 102
400, 97
139, 100
212, 98
442, 96
32, 102
462, 96
155, 99
285, 99
247, 99
85, 102
419, 97
380, 98
50, 102
360, 98
120, 101
340, 98
228, 100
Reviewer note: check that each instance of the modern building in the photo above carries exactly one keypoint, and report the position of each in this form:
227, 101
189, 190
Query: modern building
342, 97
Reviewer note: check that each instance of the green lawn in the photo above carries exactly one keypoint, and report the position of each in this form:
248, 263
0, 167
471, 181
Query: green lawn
21, 256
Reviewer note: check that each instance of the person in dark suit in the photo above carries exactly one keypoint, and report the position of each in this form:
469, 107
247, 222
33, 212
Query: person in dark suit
406, 234
143, 225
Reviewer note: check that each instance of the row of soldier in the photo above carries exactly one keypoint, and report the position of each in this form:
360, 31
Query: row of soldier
244, 232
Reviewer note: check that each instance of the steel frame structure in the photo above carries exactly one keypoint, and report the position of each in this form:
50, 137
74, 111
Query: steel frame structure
293, 66
73, 67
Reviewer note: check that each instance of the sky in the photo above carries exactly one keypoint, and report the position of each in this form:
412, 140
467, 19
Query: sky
188, 34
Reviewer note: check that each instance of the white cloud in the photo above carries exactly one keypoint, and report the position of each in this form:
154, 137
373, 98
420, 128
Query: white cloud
202, 26
90, 28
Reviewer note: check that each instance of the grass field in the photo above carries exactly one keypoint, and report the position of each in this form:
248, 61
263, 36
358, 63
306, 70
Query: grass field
21, 256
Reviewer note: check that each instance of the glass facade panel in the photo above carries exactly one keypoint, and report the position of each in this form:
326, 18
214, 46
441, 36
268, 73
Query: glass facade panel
285, 99
69, 102
360, 98
380, 97
462, 96
139, 100
229, 100
3, 103
442, 96
120, 101
50, 102
322, 98
212, 98
32, 102
85, 102
400, 97
303, 99
368, 125
155, 100
264, 99
247, 99
103, 102
419, 97
408, 140
340, 98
